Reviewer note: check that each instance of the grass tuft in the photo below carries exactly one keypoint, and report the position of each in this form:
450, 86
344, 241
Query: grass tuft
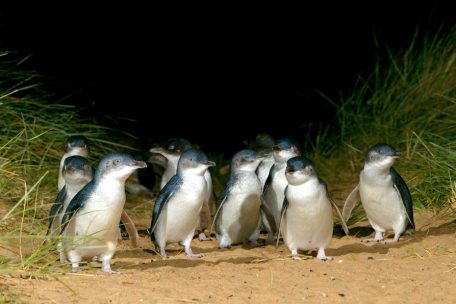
33, 131
409, 102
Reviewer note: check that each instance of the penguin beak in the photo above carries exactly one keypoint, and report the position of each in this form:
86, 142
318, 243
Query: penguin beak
209, 163
290, 170
139, 164
158, 150
397, 154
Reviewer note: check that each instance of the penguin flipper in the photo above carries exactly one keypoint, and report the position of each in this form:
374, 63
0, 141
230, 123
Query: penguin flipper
350, 203
268, 182
266, 210
130, 227
342, 221
401, 187
76, 204
282, 214
333, 204
219, 203
56, 207
163, 197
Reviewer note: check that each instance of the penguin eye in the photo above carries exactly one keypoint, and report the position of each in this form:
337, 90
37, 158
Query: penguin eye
116, 161
172, 147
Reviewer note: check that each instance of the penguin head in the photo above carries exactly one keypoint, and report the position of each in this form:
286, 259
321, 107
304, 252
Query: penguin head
246, 160
77, 145
171, 149
263, 143
284, 149
299, 170
76, 168
118, 166
193, 162
381, 155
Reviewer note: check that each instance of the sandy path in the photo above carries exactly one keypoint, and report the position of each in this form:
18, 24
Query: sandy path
420, 269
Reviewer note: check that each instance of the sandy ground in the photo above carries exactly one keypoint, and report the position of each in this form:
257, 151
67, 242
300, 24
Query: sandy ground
418, 269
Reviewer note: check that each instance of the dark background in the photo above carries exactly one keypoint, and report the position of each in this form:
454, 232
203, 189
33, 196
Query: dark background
215, 75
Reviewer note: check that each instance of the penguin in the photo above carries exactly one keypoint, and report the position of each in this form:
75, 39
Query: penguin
263, 144
91, 220
75, 145
237, 218
274, 188
383, 193
78, 145
176, 211
172, 149
306, 215
76, 173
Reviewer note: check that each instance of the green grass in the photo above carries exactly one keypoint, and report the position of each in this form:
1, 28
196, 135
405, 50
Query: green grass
409, 102
33, 131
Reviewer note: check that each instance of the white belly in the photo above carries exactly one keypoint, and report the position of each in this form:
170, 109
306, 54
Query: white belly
95, 228
383, 205
240, 216
308, 222
181, 213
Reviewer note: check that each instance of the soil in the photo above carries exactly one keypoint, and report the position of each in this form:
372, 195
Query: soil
418, 269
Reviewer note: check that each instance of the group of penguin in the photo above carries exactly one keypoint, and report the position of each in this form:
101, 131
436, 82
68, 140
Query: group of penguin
271, 187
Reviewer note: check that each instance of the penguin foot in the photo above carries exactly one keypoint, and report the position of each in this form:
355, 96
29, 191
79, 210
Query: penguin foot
371, 240
322, 256
202, 237
195, 255
296, 257
190, 253
110, 271
107, 268
94, 259
390, 241
75, 269
325, 258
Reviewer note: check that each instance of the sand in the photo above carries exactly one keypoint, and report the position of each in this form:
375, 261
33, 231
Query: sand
418, 269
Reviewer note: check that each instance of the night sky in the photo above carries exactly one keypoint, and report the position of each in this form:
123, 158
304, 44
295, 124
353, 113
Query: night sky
208, 72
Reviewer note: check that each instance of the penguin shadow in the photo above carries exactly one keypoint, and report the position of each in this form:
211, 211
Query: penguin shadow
360, 233
444, 228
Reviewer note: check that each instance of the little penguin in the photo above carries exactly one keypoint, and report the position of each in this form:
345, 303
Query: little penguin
176, 211
76, 173
90, 225
78, 145
75, 145
238, 214
383, 193
274, 188
172, 150
306, 216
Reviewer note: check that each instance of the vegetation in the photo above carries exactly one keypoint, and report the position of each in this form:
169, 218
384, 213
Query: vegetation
408, 102
32, 136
